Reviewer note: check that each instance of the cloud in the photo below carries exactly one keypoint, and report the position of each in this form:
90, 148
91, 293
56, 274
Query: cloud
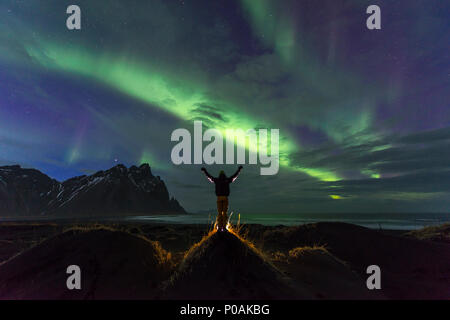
429, 136
352, 128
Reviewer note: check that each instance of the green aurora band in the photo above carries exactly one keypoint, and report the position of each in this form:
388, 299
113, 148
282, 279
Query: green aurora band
158, 89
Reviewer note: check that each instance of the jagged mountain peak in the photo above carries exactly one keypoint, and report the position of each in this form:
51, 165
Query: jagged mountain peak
116, 191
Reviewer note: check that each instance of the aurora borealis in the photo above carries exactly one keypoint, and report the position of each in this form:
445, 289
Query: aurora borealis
364, 115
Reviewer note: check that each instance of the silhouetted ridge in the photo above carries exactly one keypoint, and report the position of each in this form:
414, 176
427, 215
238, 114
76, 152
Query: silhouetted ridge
25, 191
113, 192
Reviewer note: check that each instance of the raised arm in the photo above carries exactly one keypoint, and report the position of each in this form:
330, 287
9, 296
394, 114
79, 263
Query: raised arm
210, 177
236, 174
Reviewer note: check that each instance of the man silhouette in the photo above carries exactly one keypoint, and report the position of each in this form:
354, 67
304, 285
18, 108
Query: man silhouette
222, 184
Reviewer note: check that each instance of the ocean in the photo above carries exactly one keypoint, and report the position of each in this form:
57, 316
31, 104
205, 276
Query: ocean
393, 221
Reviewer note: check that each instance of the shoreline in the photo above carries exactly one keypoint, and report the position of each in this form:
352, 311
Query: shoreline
397, 224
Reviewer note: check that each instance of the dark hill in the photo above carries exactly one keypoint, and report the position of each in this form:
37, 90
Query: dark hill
113, 265
410, 268
222, 266
324, 275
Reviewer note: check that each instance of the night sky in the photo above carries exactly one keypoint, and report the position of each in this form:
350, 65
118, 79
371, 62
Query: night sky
364, 115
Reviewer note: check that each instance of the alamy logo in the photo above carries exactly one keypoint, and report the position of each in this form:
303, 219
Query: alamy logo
373, 22
74, 280
374, 280
73, 22
255, 142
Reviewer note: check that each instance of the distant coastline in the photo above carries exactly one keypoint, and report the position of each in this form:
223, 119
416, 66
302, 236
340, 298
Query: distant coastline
404, 221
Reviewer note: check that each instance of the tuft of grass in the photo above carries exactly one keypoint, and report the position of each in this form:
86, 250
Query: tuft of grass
91, 227
236, 230
243, 236
198, 244
299, 251
431, 232
163, 256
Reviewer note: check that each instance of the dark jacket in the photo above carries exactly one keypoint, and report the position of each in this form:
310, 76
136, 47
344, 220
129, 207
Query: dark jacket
222, 182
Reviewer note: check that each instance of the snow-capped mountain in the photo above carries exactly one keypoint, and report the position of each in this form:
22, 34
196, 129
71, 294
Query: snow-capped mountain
114, 192
24, 191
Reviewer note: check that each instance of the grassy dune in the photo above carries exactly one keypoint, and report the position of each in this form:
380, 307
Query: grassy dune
145, 261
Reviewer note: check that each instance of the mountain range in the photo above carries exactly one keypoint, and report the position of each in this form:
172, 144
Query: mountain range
119, 191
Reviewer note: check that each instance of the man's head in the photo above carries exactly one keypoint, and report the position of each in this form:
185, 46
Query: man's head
222, 174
